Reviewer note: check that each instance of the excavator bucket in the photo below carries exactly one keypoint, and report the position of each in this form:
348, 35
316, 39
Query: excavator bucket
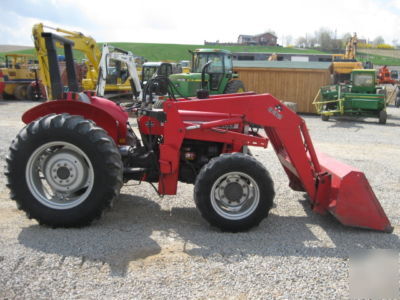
351, 199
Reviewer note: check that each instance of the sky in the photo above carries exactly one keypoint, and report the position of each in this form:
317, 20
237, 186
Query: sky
193, 22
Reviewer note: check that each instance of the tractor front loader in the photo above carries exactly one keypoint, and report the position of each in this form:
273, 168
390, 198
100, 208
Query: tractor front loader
70, 160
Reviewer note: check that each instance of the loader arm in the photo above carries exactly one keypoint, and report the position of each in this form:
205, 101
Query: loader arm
331, 186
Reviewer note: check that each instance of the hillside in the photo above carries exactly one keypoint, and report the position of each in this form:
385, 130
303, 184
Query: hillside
177, 52
9, 48
390, 57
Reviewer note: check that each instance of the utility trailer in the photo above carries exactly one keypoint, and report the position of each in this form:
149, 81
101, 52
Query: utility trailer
70, 160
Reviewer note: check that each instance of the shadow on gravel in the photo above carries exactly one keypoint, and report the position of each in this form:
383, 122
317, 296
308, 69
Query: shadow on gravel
339, 123
357, 123
124, 235
119, 237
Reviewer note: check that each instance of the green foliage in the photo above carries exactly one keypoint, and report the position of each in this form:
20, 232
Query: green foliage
177, 52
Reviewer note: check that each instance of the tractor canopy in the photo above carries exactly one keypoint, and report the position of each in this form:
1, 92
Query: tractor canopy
218, 73
363, 81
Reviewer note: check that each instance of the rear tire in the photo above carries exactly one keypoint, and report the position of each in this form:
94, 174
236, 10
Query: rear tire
234, 192
63, 171
382, 117
234, 86
20, 92
324, 118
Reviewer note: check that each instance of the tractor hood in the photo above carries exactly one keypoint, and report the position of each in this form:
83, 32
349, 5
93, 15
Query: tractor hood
187, 77
187, 83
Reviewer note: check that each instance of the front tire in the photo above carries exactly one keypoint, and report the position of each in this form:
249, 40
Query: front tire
32, 94
397, 102
234, 192
382, 117
325, 118
63, 171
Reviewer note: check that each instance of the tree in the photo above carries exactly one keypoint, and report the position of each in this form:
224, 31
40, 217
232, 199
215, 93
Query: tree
324, 38
345, 38
301, 42
378, 40
288, 39
271, 31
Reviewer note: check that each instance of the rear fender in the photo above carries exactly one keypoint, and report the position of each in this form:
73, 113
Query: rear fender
113, 123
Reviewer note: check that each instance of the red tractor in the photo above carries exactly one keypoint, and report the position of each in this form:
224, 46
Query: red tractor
70, 160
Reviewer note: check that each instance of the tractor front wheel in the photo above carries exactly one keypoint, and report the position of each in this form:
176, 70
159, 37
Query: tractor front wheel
32, 93
325, 118
63, 171
397, 102
234, 192
382, 117
234, 86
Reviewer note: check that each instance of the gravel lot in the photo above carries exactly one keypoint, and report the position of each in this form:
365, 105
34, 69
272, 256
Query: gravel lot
147, 247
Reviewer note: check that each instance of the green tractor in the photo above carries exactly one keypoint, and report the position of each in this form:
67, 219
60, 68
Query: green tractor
211, 70
361, 98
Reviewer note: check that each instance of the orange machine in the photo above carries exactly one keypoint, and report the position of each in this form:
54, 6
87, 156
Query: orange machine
384, 76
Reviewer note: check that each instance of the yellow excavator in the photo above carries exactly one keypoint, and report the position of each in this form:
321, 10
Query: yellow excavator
88, 46
344, 64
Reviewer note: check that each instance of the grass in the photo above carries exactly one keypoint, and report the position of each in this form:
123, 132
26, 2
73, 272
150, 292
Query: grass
379, 59
177, 52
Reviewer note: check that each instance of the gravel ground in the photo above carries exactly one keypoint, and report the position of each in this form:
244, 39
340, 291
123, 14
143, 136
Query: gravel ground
147, 247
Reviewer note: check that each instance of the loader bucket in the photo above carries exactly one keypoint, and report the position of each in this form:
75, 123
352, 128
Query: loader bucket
351, 199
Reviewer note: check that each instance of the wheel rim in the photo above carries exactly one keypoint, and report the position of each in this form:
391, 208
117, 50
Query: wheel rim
240, 90
235, 195
59, 175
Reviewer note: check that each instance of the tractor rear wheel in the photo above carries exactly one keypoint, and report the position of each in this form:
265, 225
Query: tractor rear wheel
234, 192
63, 171
20, 92
382, 117
234, 86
